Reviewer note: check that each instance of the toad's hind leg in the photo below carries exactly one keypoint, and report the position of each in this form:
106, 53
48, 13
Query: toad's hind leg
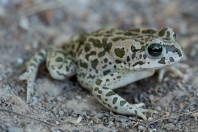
59, 65
31, 70
102, 90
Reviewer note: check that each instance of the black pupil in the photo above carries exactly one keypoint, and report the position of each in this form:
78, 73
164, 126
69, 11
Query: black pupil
155, 50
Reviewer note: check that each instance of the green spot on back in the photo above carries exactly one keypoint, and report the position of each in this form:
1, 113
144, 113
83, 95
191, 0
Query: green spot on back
107, 47
118, 38
106, 72
84, 65
130, 33
102, 53
90, 54
94, 63
87, 47
96, 42
162, 32
119, 52
148, 31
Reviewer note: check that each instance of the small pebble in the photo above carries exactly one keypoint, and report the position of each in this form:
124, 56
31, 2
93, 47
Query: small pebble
158, 108
141, 128
57, 122
111, 123
20, 60
169, 126
24, 23
61, 113
99, 130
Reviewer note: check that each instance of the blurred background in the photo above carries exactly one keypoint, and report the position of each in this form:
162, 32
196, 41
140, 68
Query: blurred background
28, 25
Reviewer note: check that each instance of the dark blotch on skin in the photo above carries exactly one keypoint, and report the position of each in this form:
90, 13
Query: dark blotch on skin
107, 47
148, 31
102, 53
94, 63
115, 108
122, 103
130, 33
115, 99
106, 72
133, 49
162, 61
105, 88
99, 91
96, 42
119, 52
162, 32
84, 65
171, 59
128, 58
138, 63
140, 56
144, 56
96, 89
118, 61
118, 38
105, 60
87, 47
98, 82
99, 96
172, 48
59, 59
91, 76
90, 54
110, 93
60, 74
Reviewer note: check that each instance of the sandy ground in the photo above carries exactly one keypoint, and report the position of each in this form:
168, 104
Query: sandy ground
29, 25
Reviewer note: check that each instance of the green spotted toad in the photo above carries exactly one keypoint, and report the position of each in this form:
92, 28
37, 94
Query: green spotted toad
108, 59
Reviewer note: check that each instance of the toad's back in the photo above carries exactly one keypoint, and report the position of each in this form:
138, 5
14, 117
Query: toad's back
106, 51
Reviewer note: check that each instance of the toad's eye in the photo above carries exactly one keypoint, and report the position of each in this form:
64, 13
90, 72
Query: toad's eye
155, 50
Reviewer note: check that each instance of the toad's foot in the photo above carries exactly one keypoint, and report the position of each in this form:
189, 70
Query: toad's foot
137, 108
176, 68
30, 78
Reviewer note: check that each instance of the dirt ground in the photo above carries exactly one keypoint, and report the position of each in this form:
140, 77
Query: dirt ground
29, 25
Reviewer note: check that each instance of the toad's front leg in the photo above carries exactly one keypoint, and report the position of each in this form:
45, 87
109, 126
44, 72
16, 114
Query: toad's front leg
103, 92
31, 71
